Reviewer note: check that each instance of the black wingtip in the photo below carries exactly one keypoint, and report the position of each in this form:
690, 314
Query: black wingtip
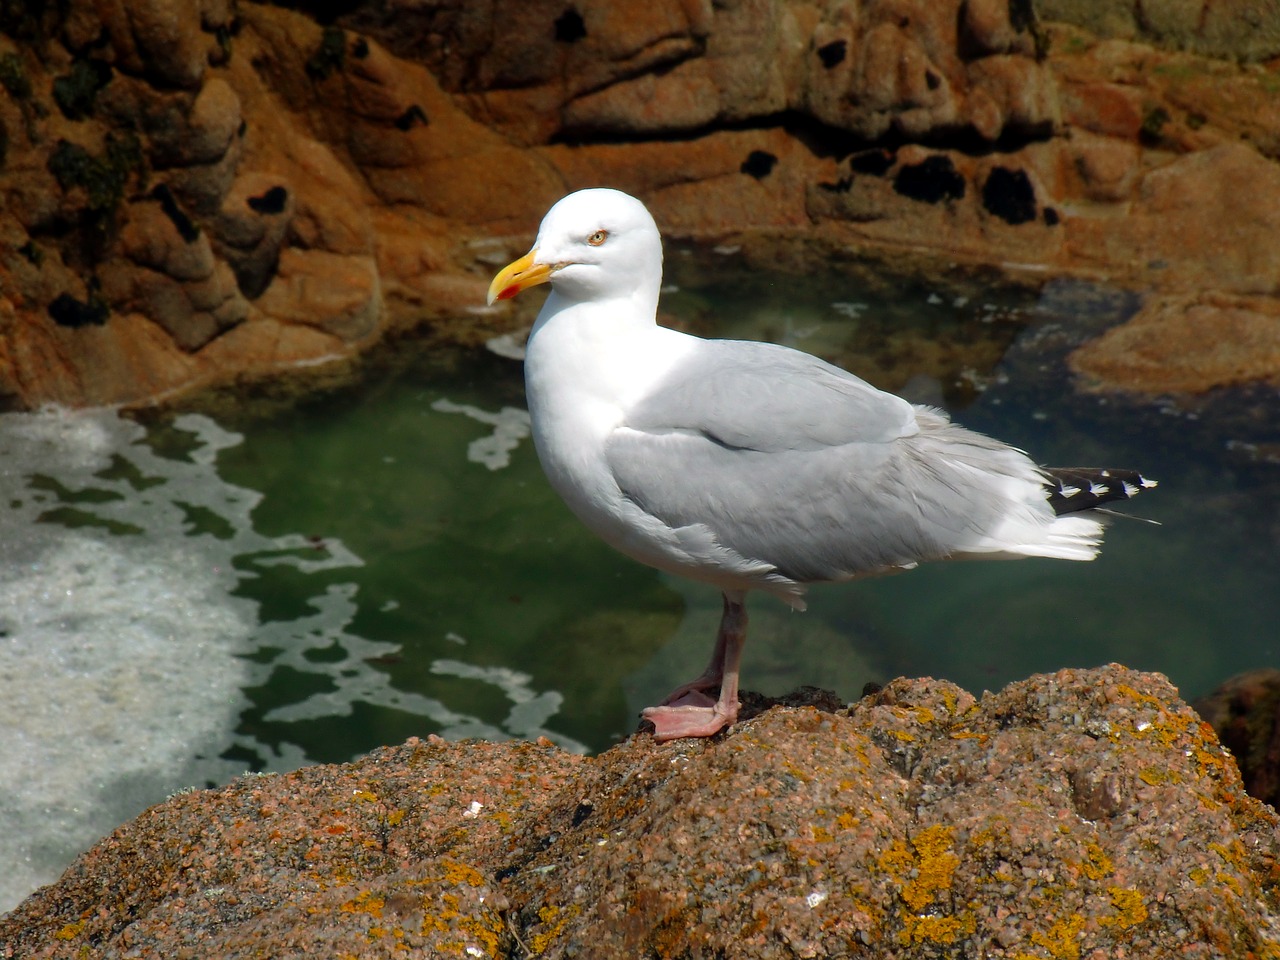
1072, 489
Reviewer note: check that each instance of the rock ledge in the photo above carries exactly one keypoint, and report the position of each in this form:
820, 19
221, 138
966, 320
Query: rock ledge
1089, 813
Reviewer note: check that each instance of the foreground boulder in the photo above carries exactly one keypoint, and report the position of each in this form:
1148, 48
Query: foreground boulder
1085, 814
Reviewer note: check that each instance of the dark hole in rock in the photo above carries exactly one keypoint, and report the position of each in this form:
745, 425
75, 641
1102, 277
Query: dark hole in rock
931, 180
833, 53
272, 201
67, 311
874, 162
759, 164
1009, 195
415, 114
570, 27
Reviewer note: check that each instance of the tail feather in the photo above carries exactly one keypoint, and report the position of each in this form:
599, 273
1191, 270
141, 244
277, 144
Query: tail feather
1071, 489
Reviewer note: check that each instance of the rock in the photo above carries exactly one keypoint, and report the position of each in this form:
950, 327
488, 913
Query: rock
1226, 202
1087, 813
159, 38
251, 226
968, 131
160, 236
212, 124
987, 27
340, 295
1245, 713
1232, 29
1185, 344
1108, 168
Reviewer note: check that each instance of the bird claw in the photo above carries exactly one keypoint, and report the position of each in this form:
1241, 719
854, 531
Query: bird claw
688, 720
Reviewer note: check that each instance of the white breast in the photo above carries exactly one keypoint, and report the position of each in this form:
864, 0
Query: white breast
584, 368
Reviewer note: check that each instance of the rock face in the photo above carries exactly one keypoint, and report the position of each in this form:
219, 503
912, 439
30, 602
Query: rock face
198, 192
1245, 713
1084, 814
204, 191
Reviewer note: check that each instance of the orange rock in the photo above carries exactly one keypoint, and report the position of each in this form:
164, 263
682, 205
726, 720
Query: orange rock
1107, 168
159, 37
1186, 344
419, 129
1225, 203
340, 295
1110, 109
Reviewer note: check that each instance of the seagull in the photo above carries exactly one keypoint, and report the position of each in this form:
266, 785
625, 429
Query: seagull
753, 466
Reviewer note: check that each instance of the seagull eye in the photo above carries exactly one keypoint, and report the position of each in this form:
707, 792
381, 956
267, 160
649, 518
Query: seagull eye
597, 238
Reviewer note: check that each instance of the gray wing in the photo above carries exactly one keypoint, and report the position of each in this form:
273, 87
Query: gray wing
791, 461
770, 398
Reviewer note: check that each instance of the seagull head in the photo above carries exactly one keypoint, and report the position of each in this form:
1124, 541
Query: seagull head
595, 244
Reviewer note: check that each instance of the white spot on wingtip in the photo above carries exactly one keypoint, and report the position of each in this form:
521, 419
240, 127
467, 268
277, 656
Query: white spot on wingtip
1148, 484
1068, 491
1098, 489
1129, 489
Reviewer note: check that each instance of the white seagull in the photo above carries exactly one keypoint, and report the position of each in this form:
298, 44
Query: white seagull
752, 466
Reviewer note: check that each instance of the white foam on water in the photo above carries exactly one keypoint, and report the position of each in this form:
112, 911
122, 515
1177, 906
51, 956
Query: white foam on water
510, 426
115, 675
124, 650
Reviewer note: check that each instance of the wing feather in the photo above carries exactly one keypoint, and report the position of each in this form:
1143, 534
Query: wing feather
795, 463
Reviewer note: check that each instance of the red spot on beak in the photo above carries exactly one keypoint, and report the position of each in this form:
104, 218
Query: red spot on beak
508, 292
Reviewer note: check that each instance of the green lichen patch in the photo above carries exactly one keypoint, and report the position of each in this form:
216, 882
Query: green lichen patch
104, 177
75, 92
13, 77
330, 55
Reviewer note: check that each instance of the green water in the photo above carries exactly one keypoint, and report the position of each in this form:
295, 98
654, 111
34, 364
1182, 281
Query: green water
472, 575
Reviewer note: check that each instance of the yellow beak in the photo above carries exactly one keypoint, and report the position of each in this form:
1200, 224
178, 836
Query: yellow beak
518, 275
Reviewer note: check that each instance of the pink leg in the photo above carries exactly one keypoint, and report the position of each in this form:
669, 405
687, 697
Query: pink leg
689, 711
695, 691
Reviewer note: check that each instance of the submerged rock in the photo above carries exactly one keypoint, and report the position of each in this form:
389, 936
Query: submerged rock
1086, 813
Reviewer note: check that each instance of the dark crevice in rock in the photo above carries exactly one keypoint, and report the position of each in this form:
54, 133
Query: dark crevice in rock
67, 311
821, 139
186, 228
413, 115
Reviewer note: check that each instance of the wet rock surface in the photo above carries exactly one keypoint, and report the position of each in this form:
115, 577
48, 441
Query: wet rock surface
176, 175
1089, 813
